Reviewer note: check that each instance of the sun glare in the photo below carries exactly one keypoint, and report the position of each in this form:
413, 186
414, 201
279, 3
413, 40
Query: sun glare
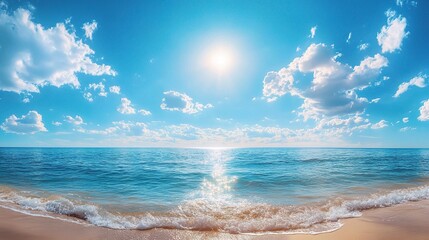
220, 59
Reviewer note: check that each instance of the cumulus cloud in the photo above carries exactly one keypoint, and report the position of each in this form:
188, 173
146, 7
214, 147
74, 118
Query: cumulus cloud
98, 87
100, 90
277, 84
176, 101
89, 28
123, 128
88, 96
77, 120
391, 35
144, 112
334, 85
34, 56
115, 89
57, 124
401, 3
131, 128
328, 132
424, 111
30, 123
418, 81
126, 107
313, 31
379, 125
345, 125
363, 46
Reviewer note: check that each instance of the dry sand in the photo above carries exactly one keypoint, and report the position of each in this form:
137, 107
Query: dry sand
406, 221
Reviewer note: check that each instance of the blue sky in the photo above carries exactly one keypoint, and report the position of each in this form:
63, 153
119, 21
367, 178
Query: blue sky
214, 73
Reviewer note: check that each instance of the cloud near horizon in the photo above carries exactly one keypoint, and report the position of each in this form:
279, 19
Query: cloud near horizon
30, 123
327, 131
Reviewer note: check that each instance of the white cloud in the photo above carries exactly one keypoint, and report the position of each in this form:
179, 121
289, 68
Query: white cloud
313, 31
37, 56
98, 87
26, 100
144, 112
344, 125
57, 123
349, 37
89, 28
115, 89
328, 132
88, 96
405, 120
277, 84
334, 86
418, 81
77, 120
131, 128
391, 35
380, 125
27, 124
126, 107
368, 70
405, 129
424, 111
363, 46
176, 101
375, 100
401, 3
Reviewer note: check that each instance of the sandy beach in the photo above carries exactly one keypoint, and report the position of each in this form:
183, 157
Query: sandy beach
405, 221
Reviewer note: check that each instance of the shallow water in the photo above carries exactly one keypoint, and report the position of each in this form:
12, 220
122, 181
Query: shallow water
253, 190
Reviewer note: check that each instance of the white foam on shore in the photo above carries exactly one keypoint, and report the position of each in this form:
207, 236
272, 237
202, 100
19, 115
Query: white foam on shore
224, 214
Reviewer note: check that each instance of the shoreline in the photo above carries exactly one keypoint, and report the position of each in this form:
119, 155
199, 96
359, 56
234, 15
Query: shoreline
403, 221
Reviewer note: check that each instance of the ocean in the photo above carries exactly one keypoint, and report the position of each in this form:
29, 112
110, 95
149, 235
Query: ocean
242, 190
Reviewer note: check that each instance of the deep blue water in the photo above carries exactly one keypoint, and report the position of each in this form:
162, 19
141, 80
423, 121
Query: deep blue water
161, 179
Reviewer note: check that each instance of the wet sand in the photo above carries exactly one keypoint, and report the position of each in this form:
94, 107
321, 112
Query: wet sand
405, 221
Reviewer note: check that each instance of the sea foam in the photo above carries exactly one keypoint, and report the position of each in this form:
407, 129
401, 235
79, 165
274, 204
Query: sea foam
224, 214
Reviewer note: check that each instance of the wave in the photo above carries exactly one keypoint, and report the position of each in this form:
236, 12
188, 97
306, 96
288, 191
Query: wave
224, 214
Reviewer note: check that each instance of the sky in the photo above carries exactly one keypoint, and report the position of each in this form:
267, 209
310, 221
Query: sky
214, 73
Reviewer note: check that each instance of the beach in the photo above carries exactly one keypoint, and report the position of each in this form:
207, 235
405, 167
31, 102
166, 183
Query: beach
403, 221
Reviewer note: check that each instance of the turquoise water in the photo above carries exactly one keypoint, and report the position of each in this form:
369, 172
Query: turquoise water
253, 190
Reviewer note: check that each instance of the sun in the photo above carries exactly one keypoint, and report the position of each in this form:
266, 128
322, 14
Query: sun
220, 59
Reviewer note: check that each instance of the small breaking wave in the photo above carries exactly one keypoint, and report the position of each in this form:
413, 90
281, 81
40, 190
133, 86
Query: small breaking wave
223, 214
